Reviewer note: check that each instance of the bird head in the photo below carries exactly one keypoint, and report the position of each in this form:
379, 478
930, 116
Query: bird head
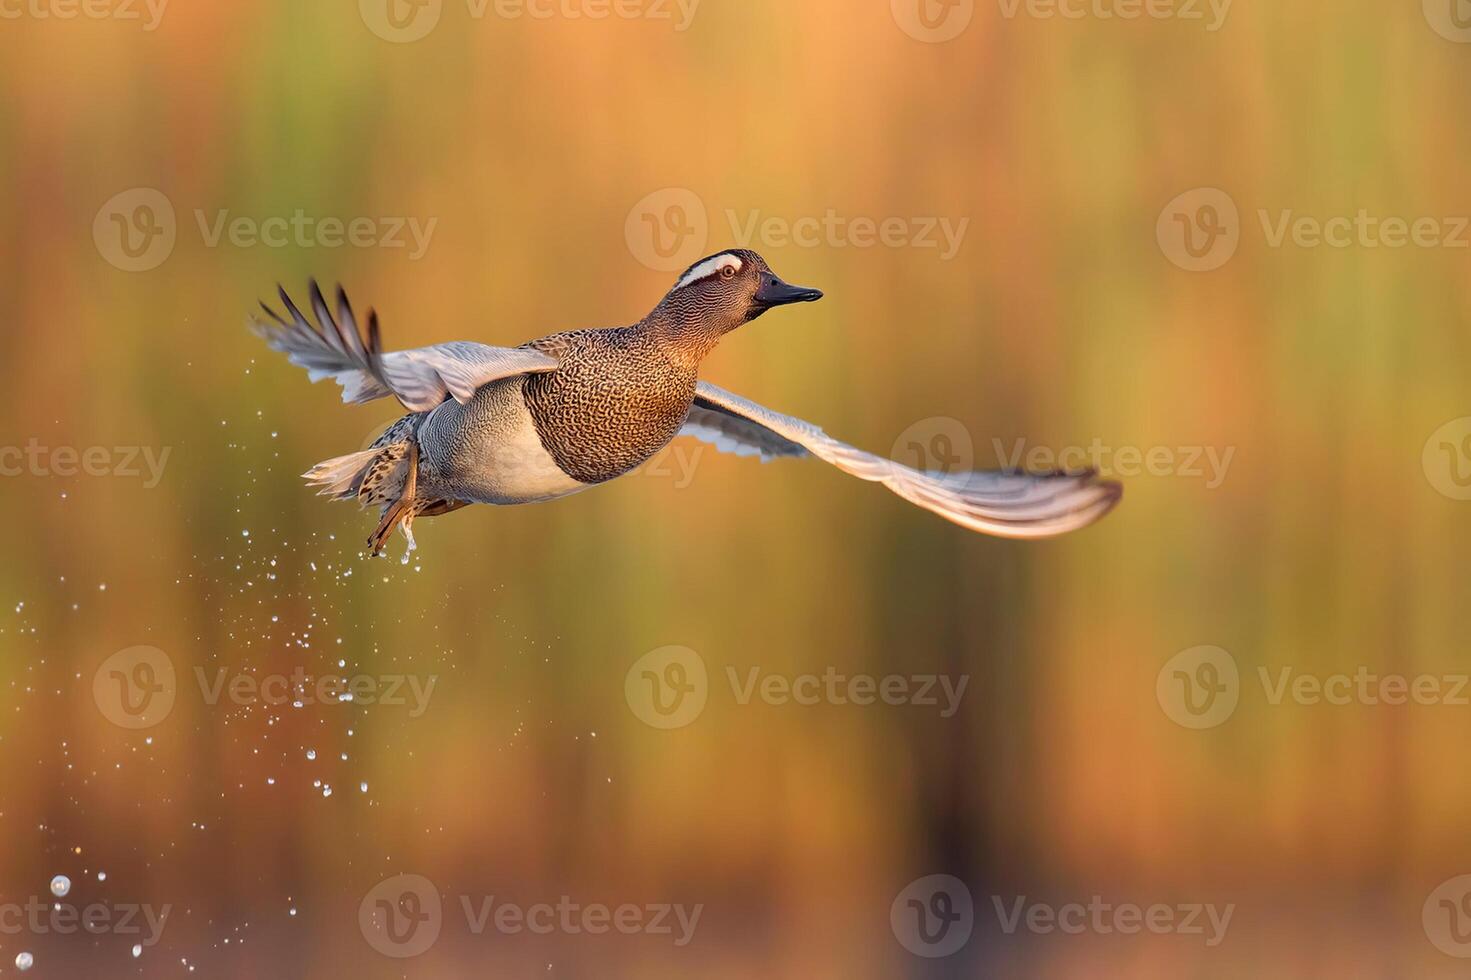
730, 288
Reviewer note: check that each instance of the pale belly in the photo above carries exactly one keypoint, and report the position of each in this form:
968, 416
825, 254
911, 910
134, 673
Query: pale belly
488, 452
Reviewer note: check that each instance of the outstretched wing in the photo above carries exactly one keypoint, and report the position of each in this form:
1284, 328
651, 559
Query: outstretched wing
1006, 504
420, 378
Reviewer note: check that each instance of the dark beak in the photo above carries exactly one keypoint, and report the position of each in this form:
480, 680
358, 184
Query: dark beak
774, 292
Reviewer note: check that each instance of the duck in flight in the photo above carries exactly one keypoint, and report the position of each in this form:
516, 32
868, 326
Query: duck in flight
502, 425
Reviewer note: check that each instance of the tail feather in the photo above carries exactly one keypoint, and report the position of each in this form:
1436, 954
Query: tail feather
381, 474
341, 476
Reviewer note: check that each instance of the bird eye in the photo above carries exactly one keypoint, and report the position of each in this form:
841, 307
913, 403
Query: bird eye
728, 272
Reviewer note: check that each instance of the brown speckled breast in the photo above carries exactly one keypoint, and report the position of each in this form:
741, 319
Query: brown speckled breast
616, 400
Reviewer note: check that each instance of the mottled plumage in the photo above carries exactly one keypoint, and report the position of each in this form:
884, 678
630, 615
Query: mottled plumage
616, 400
557, 415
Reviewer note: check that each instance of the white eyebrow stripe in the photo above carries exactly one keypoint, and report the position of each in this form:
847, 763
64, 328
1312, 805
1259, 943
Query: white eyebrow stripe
708, 268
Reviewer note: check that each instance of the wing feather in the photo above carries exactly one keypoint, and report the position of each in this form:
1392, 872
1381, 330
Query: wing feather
736, 434
421, 378
1004, 503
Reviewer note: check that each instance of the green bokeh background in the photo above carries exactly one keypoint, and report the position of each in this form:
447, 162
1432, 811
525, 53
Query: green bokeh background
1060, 321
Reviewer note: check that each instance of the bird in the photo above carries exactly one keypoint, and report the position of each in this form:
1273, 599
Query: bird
575, 409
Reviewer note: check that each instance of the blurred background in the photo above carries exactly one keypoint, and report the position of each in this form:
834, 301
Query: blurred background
1219, 252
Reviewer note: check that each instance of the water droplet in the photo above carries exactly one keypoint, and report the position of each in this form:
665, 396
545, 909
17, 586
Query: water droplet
60, 885
102, 876
363, 786
137, 950
311, 754
24, 961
